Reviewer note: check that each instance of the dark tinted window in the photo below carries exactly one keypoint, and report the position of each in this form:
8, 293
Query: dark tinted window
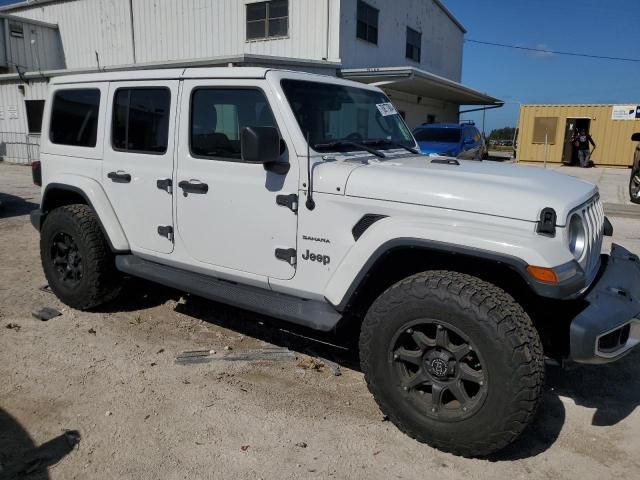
414, 40
267, 19
34, 115
367, 28
74, 117
447, 135
218, 116
141, 119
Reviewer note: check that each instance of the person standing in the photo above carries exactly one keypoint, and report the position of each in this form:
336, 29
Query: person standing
582, 141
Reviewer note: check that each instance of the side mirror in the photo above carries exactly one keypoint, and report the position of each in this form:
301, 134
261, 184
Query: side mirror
635, 137
262, 145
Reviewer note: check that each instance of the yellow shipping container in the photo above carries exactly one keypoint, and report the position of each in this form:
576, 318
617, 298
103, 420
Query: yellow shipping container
610, 126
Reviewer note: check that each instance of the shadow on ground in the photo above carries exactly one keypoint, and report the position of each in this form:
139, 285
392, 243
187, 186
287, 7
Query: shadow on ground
13, 206
19, 456
612, 390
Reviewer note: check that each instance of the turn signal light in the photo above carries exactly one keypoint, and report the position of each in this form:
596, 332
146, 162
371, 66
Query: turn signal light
542, 274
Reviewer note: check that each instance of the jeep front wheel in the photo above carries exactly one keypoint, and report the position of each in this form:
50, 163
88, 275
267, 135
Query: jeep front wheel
453, 361
76, 258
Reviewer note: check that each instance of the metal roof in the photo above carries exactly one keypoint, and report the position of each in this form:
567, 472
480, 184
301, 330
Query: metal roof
264, 61
421, 83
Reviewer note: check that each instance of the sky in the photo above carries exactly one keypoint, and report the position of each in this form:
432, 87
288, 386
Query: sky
596, 27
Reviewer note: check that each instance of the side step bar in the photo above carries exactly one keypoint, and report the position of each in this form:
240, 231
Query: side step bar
309, 313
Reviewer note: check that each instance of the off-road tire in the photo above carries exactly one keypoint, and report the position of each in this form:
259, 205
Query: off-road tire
498, 327
100, 280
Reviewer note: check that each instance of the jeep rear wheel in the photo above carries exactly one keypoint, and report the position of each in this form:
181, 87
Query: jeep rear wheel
634, 186
76, 258
453, 361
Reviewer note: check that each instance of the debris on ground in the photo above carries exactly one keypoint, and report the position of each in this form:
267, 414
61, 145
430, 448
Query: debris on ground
91, 331
244, 448
194, 356
301, 444
108, 413
258, 354
160, 351
227, 347
46, 313
45, 288
335, 368
311, 363
14, 326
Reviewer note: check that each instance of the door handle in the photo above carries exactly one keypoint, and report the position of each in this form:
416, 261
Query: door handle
193, 186
119, 177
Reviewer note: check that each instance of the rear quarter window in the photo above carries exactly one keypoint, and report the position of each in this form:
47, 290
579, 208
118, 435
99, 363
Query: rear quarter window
74, 117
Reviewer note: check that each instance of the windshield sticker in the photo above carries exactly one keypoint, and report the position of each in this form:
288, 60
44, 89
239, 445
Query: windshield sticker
386, 109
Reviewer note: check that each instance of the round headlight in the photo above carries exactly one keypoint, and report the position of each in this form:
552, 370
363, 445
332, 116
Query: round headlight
577, 236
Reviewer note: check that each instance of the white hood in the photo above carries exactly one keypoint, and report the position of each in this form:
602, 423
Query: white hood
491, 188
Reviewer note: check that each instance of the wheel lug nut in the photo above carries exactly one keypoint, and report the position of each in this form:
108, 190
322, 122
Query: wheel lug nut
395, 356
464, 409
405, 388
410, 331
433, 409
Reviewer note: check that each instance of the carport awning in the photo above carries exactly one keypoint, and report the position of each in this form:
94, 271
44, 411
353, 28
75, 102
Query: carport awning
420, 83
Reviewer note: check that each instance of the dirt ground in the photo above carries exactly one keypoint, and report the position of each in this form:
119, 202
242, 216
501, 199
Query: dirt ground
108, 383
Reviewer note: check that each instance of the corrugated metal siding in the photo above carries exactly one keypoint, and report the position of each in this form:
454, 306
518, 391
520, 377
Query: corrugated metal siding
612, 137
38, 49
16, 146
87, 27
170, 30
441, 45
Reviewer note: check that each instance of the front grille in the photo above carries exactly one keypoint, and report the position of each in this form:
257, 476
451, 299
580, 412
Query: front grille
593, 216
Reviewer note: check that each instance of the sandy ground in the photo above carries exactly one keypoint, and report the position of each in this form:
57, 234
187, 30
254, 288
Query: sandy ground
111, 376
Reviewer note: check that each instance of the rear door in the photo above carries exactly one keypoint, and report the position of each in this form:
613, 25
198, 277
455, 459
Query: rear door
138, 161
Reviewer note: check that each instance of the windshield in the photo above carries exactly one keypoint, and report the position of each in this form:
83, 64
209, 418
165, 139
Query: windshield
329, 113
435, 134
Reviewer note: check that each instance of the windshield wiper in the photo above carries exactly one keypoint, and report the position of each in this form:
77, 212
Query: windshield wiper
393, 143
348, 143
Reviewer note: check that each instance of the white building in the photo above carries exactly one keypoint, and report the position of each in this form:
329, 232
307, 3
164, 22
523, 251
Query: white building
411, 48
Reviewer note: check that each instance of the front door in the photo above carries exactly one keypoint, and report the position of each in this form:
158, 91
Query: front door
138, 161
227, 215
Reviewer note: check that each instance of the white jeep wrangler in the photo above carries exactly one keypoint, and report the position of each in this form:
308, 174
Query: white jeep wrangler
302, 197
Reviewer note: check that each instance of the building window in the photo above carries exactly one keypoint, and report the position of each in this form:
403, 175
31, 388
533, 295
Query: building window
218, 116
367, 28
545, 128
267, 19
34, 115
16, 30
414, 40
141, 120
74, 117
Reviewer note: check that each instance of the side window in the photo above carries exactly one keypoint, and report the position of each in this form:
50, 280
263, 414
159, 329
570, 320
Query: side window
141, 120
74, 117
218, 115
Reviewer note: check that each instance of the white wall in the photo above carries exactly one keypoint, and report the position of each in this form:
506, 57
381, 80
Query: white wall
182, 29
39, 48
442, 40
416, 113
170, 30
87, 27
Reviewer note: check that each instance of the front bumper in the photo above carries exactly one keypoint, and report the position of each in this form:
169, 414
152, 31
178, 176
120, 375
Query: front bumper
609, 327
